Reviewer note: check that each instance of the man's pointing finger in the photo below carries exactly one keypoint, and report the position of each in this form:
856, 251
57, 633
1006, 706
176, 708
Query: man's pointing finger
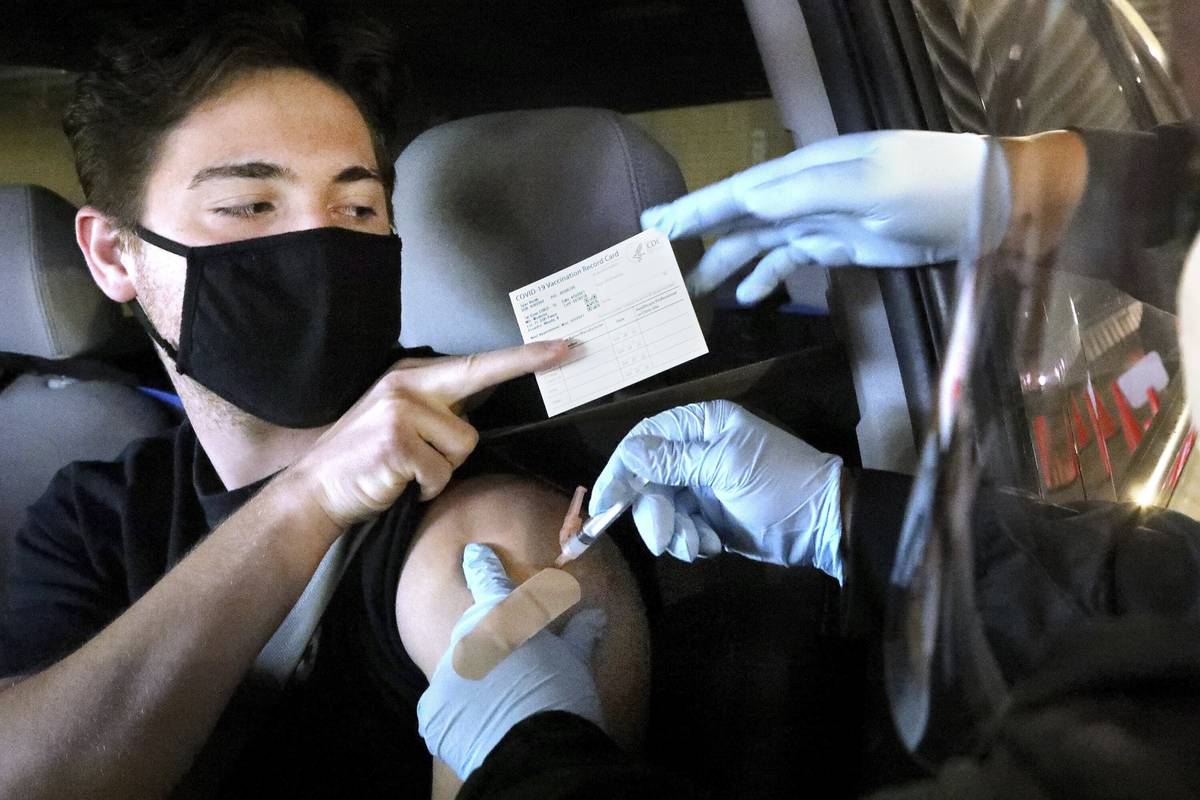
458, 378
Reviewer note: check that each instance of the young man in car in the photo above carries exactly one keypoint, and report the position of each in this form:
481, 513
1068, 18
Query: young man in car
238, 197
1092, 610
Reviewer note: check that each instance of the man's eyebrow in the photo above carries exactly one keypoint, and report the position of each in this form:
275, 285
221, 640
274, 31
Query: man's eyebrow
249, 169
357, 173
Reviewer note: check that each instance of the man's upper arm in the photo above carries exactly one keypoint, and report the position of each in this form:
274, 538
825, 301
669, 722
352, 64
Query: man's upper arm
63, 582
520, 520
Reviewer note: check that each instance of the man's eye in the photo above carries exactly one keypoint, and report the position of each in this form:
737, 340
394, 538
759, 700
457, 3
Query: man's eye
360, 212
248, 210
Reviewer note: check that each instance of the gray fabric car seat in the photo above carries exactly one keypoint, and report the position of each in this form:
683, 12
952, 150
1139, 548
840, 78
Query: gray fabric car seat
51, 310
487, 204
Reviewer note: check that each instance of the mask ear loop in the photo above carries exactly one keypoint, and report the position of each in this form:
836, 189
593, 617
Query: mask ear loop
161, 242
139, 313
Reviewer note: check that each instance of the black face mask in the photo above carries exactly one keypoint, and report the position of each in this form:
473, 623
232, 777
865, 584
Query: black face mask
291, 328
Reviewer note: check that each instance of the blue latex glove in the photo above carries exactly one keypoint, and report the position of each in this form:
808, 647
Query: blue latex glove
880, 199
723, 479
461, 720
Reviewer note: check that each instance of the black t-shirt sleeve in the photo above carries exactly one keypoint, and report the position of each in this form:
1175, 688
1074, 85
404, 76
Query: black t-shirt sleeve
1040, 568
1043, 569
556, 755
62, 586
357, 709
1113, 712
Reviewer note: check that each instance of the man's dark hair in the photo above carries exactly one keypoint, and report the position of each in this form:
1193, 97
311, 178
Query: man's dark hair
144, 81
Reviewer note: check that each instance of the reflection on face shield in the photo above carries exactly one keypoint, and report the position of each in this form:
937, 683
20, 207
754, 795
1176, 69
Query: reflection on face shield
1184, 56
1045, 393
1189, 329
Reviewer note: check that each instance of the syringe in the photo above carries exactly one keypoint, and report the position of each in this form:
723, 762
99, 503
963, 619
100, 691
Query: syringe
576, 543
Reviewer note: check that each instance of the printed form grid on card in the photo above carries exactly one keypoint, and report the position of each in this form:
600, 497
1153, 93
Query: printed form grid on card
626, 312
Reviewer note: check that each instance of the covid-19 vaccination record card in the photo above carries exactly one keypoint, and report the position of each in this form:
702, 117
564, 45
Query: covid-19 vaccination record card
626, 313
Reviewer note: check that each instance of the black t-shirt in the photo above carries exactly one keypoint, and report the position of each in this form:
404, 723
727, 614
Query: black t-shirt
104, 533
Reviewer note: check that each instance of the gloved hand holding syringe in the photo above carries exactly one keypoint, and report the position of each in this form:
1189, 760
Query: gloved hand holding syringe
711, 477
577, 535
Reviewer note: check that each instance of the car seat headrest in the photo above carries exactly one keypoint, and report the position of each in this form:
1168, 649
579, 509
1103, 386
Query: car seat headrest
49, 307
491, 203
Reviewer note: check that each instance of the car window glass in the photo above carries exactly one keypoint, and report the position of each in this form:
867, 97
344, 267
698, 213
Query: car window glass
1020, 67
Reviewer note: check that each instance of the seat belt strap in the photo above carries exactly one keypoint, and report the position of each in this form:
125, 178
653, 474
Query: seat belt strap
277, 662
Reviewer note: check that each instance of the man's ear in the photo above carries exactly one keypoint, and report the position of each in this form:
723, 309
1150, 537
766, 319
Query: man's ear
103, 247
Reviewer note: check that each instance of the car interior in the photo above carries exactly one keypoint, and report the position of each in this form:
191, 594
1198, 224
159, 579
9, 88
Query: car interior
531, 135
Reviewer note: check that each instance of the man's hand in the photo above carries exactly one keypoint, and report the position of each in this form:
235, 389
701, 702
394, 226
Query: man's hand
406, 428
880, 199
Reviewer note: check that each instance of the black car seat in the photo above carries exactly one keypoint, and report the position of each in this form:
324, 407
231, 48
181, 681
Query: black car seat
54, 326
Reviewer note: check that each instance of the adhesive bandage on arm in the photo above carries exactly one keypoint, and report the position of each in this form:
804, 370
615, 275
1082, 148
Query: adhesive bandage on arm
517, 618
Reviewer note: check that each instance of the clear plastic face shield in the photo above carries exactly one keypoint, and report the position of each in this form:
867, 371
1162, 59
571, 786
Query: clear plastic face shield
1062, 382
